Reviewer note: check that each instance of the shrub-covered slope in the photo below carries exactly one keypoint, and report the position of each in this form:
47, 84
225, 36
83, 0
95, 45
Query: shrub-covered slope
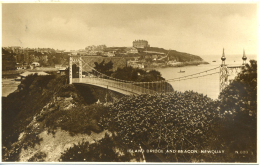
171, 121
46, 103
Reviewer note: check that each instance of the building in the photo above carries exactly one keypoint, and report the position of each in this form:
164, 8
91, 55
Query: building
135, 64
73, 53
140, 44
20, 66
36, 64
109, 54
154, 52
25, 74
154, 57
62, 71
82, 52
92, 53
131, 50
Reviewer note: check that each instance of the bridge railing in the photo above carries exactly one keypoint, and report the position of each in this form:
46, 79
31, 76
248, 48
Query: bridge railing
129, 87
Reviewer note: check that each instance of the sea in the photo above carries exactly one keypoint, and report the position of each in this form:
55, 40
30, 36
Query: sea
207, 81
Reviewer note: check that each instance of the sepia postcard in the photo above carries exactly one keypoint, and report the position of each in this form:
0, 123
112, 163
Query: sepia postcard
129, 82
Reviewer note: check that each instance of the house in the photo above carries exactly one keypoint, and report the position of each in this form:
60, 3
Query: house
154, 52
20, 66
36, 64
109, 54
92, 53
131, 50
25, 74
138, 65
82, 53
154, 57
135, 64
62, 71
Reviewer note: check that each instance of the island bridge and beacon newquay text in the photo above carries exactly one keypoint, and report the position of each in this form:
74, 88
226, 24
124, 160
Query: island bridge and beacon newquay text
94, 77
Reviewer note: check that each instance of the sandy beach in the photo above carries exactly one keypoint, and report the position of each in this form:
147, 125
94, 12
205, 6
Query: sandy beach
9, 86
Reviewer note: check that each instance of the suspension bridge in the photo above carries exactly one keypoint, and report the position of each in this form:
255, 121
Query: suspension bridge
96, 78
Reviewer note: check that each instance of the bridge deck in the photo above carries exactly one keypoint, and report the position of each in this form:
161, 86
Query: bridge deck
121, 87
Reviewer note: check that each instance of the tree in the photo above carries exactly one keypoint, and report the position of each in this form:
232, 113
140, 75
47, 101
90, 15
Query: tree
126, 73
136, 74
156, 75
238, 105
104, 68
240, 96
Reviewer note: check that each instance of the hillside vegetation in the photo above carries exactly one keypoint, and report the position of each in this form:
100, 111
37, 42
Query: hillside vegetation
174, 55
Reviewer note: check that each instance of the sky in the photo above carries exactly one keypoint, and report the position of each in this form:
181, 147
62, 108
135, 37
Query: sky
199, 29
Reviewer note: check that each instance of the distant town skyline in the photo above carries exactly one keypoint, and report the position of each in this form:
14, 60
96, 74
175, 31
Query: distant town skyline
199, 29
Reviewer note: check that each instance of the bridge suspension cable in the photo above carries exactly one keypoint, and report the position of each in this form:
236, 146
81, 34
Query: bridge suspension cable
169, 80
194, 77
161, 86
178, 78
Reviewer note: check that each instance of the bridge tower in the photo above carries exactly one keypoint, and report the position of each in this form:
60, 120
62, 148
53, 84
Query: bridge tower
225, 70
223, 79
80, 68
70, 71
78, 61
244, 57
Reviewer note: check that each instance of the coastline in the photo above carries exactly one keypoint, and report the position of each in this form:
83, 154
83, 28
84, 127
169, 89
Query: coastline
176, 65
9, 86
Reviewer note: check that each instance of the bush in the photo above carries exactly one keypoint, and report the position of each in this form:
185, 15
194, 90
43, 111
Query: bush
79, 119
165, 121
